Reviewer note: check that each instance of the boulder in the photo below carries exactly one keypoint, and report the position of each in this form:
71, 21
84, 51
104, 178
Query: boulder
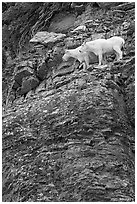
57, 55
28, 83
46, 38
42, 71
26, 71
79, 28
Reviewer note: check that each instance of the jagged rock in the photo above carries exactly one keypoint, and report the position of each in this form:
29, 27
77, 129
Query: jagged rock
98, 35
30, 94
126, 6
19, 75
108, 5
71, 43
40, 49
15, 85
113, 85
68, 63
60, 82
41, 87
130, 101
42, 71
57, 50
57, 56
22, 65
64, 69
46, 38
28, 83
91, 24
129, 63
49, 83
79, 28
131, 29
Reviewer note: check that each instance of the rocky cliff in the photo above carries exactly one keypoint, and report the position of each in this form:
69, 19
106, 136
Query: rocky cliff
68, 135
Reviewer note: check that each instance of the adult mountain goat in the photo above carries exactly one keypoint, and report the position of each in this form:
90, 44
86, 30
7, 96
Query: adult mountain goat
101, 47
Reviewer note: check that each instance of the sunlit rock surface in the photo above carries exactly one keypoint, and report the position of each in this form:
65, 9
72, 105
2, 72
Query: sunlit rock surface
46, 37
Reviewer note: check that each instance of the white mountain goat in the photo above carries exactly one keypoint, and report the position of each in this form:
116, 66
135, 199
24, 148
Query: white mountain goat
101, 47
82, 57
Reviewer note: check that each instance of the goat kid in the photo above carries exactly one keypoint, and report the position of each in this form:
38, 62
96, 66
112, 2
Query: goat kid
82, 57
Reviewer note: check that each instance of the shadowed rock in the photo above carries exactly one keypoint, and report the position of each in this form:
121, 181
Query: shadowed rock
15, 85
21, 74
28, 84
42, 71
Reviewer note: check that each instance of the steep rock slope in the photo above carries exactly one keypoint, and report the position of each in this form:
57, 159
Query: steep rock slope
72, 138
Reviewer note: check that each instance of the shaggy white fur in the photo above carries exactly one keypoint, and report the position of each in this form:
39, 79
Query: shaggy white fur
101, 47
82, 57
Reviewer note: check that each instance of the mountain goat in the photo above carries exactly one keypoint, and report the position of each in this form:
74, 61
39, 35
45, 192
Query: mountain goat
82, 57
100, 47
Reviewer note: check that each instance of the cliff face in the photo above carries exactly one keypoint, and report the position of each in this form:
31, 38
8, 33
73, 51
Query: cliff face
72, 137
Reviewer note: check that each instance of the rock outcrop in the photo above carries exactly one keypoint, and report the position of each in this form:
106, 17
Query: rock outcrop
73, 137
46, 38
28, 84
25, 72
